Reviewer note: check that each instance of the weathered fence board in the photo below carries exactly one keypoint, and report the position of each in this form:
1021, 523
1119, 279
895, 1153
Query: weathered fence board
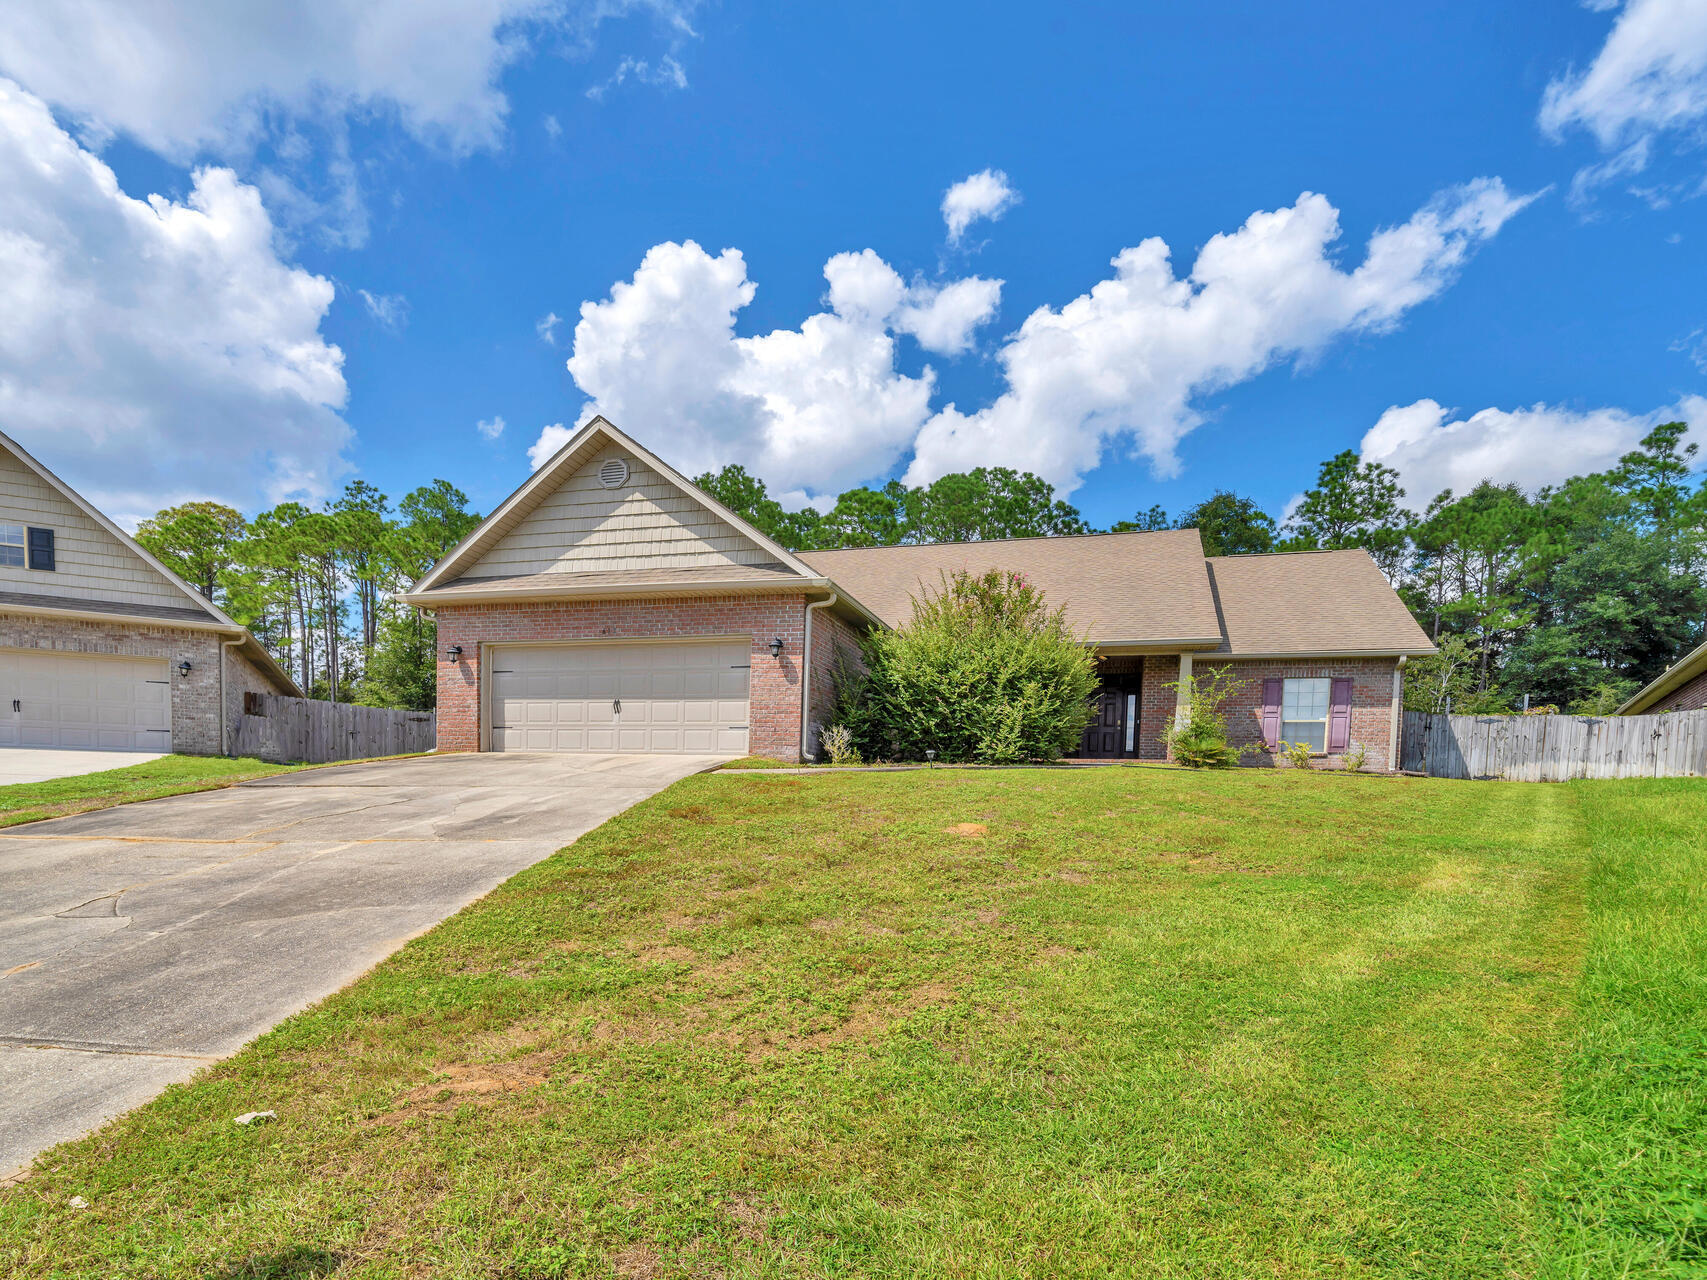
1554, 748
287, 729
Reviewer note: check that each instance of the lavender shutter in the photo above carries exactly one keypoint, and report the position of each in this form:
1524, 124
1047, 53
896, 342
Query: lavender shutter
1271, 713
1339, 715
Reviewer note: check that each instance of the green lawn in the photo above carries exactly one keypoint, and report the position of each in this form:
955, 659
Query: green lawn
167, 776
956, 1024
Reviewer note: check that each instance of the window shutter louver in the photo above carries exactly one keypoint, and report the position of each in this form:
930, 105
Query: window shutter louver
41, 548
1339, 716
1271, 713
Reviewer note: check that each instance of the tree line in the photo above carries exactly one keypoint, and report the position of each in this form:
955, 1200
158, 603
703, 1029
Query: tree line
1574, 595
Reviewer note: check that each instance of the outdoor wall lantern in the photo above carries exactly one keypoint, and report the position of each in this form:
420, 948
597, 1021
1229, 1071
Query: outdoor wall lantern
454, 653
776, 646
184, 667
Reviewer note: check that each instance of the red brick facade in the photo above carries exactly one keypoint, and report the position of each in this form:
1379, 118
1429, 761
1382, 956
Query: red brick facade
835, 649
1688, 696
775, 685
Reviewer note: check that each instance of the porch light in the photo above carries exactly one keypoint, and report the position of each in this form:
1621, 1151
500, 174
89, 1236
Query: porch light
454, 653
776, 646
184, 667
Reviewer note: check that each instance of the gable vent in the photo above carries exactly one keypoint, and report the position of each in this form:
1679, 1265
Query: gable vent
614, 472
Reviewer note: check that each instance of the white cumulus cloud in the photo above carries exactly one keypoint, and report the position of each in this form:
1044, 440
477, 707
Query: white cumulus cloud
154, 351
1131, 359
1432, 449
551, 439
389, 310
985, 195
1648, 80
491, 428
546, 327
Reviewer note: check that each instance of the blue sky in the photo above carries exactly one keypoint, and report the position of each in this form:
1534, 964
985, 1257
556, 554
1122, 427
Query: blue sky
419, 190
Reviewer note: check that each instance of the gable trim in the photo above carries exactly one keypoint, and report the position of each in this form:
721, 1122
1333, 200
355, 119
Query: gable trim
551, 475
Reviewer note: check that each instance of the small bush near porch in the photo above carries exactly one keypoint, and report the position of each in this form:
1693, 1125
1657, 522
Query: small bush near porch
1077, 1023
984, 671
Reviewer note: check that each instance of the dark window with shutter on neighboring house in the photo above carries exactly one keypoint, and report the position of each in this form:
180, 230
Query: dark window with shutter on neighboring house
41, 548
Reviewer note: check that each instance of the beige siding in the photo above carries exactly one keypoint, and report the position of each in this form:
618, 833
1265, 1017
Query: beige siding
646, 523
91, 563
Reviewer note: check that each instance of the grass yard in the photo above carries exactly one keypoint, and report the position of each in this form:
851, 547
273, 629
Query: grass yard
1104, 1022
167, 776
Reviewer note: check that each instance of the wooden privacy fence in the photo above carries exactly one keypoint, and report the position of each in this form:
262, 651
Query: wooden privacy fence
1554, 748
285, 729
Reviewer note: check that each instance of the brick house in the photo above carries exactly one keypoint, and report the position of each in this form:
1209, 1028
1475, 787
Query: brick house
1680, 687
610, 605
101, 646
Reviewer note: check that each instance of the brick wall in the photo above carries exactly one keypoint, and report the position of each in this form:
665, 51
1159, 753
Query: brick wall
195, 698
832, 638
1156, 704
775, 682
1371, 700
1689, 696
241, 676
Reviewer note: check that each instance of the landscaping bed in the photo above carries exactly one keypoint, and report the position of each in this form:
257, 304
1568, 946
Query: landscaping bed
1064, 1022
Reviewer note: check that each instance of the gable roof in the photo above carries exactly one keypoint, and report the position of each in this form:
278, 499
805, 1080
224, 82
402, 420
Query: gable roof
460, 563
1297, 603
1119, 589
1681, 672
196, 611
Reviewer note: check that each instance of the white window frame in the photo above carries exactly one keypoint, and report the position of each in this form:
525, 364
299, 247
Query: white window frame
1326, 718
14, 541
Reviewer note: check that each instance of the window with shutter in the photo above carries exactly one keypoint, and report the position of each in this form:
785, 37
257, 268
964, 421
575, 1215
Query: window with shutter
41, 549
12, 544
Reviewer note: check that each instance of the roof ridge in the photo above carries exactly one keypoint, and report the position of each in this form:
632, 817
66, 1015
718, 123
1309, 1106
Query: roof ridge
997, 542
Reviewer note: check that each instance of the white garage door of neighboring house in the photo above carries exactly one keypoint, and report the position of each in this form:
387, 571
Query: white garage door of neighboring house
84, 700
641, 697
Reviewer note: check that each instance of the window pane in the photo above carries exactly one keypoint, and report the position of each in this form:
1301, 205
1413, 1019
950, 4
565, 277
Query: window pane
12, 544
1305, 699
1131, 719
1314, 732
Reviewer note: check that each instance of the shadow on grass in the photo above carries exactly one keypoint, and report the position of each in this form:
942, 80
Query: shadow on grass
286, 1264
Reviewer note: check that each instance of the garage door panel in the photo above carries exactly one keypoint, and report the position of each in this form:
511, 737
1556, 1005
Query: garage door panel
85, 701
679, 697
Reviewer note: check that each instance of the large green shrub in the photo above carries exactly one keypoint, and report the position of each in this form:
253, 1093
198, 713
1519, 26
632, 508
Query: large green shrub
984, 671
1198, 739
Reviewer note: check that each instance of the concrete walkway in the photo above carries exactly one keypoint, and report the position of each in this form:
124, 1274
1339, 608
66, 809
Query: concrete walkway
43, 764
139, 943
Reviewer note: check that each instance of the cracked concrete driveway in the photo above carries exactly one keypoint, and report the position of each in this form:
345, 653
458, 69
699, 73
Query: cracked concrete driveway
138, 943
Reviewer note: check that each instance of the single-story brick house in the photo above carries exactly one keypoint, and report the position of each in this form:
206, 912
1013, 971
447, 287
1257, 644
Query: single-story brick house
610, 605
1680, 687
101, 646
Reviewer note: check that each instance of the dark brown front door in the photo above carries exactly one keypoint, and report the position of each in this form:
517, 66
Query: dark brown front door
1107, 734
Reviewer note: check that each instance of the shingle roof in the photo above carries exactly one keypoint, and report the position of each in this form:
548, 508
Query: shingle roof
1119, 588
1311, 602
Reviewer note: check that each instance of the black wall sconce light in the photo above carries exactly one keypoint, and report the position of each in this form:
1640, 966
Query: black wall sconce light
776, 647
454, 653
184, 667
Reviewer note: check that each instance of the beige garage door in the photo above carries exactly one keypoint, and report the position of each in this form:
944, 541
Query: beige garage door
86, 701
645, 697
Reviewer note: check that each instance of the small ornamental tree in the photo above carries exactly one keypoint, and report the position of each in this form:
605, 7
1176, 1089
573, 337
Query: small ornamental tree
1198, 739
984, 671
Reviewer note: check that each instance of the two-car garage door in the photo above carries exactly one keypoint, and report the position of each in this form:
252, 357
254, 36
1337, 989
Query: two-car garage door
84, 700
642, 697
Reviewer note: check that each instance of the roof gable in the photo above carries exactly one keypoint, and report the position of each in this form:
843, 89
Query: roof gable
1311, 602
94, 558
603, 504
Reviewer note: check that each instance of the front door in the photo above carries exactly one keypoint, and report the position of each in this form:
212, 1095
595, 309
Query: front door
1106, 736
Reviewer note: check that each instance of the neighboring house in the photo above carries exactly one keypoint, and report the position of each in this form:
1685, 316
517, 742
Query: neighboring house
101, 646
1680, 687
610, 605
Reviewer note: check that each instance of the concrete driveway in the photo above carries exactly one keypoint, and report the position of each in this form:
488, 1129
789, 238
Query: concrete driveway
43, 764
139, 943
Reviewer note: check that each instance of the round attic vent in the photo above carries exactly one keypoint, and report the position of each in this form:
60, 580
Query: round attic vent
613, 473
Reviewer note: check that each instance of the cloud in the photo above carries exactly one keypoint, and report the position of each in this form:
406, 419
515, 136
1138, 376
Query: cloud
490, 428
551, 439
1541, 445
1131, 359
664, 73
941, 317
553, 127
389, 310
546, 327
155, 351
1649, 79
1693, 346
983, 195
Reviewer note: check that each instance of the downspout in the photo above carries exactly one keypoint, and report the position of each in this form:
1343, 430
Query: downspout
1393, 725
224, 714
806, 676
